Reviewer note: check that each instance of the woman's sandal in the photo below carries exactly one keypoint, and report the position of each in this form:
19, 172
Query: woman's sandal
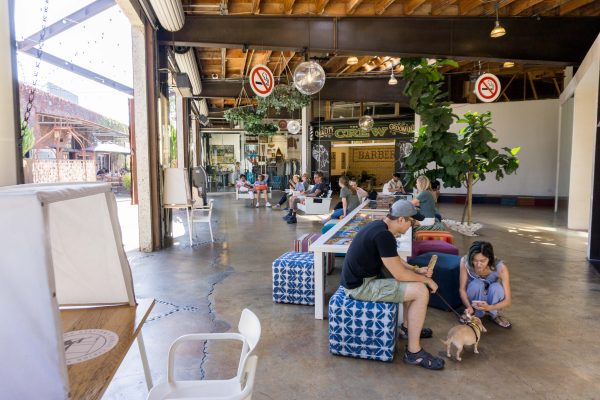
424, 359
426, 333
502, 322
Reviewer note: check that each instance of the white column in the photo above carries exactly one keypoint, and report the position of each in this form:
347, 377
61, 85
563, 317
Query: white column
8, 145
305, 142
138, 44
181, 120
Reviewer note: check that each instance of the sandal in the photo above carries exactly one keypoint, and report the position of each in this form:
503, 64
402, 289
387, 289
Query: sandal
426, 333
502, 322
424, 359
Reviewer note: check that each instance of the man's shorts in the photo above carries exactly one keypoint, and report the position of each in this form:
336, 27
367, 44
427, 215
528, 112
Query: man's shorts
385, 290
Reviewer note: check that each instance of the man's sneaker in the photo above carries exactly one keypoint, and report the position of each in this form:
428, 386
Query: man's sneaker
257, 205
288, 216
268, 204
292, 219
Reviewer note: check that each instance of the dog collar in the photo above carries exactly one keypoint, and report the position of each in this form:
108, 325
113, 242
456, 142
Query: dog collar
475, 329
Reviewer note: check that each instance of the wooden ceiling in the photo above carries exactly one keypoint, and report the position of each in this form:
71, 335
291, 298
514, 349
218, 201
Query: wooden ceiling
235, 63
436, 8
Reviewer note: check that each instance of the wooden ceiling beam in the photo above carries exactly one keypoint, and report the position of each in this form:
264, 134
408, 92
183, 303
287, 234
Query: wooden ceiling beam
383, 5
438, 6
320, 6
288, 6
255, 6
411, 5
223, 63
464, 6
353, 68
521, 5
352, 6
573, 5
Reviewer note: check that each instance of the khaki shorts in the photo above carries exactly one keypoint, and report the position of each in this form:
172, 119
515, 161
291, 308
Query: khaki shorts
386, 290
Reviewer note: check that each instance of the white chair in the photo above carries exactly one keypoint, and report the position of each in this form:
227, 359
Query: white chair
205, 214
386, 188
316, 205
239, 387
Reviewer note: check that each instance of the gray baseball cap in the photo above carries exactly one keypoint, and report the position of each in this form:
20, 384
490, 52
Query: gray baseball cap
404, 208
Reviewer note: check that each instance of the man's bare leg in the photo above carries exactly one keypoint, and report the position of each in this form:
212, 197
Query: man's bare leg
417, 297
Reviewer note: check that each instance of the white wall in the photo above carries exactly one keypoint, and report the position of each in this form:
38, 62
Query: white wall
8, 161
565, 148
531, 125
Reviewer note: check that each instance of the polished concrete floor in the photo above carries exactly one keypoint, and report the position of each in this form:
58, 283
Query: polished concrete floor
552, 352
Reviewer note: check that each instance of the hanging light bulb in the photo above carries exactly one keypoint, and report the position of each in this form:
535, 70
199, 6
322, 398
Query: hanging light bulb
393, 81
294, 126
508, 64
498, 30
309, 77
352, 60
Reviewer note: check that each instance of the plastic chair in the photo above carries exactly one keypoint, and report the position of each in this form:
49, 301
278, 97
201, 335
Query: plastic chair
205, 216
239, 387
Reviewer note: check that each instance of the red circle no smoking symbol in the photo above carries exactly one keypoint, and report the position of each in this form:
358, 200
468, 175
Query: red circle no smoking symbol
487, 88
261, 80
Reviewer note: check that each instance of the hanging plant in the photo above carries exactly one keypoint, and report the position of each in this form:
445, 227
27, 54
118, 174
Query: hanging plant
246, 115
262, 128
283, 97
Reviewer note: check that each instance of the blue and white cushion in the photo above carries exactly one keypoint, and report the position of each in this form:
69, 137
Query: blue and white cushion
363, 329
294, 278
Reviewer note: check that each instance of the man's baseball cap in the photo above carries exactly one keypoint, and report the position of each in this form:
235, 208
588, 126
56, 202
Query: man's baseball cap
404, 208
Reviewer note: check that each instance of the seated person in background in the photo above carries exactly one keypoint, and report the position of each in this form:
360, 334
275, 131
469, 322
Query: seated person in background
424, 200
243, 186
484, 284
260, 186
294, 184
395, 184
435, 189
320, 189
360, 192
373, 249
349, 200
301, 187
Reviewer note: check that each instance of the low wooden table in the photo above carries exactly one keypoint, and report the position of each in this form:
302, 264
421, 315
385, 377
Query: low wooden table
89, 379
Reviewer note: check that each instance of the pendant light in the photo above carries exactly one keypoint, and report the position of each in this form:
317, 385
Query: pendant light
393, 81
352, 60
498, 30
508, 64
309, 77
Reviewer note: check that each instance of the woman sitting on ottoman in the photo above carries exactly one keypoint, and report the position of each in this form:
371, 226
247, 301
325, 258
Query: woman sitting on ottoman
484, 284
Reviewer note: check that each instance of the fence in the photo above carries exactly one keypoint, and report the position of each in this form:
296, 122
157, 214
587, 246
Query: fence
49, 171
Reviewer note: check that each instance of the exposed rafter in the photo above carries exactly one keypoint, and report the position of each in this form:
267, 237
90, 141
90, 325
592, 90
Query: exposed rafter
521, 5
411, 5
439, 6
573, 5
223, 63
320, 6
67, 22
352, 5
255, 6
288, 6
464, 6
383, 5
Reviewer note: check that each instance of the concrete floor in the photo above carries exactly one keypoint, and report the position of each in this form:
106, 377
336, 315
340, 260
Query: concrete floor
552, 352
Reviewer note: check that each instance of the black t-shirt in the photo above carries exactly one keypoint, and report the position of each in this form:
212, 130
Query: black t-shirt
363, 259
322, 187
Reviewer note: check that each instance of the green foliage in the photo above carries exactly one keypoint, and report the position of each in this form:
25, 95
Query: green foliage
454, 155
253, 120
127, 181
285, 97
172, 143
479, 158
27, 139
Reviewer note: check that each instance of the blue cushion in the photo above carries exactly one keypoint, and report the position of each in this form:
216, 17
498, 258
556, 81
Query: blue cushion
294, 278
363, 329
446, 275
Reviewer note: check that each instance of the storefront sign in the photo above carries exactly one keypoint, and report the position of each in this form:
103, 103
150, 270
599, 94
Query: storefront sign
381, 130
373, 155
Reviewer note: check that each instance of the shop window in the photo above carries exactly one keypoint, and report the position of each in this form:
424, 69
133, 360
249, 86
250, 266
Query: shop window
343, 160
333, 160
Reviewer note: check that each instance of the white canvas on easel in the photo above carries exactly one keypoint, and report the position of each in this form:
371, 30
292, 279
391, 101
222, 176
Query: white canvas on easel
60, 245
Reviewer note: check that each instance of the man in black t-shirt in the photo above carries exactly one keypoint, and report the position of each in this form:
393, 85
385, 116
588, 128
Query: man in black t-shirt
320, 189
374, 248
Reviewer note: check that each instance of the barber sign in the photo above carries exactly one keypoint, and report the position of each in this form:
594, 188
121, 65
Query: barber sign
261, 80
487, 88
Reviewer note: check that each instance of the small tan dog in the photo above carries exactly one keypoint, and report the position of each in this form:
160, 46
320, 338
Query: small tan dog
462, 335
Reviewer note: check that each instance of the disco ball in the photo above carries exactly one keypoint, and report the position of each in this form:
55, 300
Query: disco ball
309, 77
294, 126
404, 149
366, 122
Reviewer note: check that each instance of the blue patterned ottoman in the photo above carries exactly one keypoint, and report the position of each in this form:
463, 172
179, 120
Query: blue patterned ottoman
363, 329
294, 278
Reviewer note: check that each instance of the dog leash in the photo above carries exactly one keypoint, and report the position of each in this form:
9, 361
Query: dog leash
449, 306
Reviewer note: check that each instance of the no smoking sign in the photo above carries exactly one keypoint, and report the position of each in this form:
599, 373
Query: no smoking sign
261, 80
487, 88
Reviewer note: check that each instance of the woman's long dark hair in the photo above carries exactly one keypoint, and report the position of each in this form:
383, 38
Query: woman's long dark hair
485, 249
